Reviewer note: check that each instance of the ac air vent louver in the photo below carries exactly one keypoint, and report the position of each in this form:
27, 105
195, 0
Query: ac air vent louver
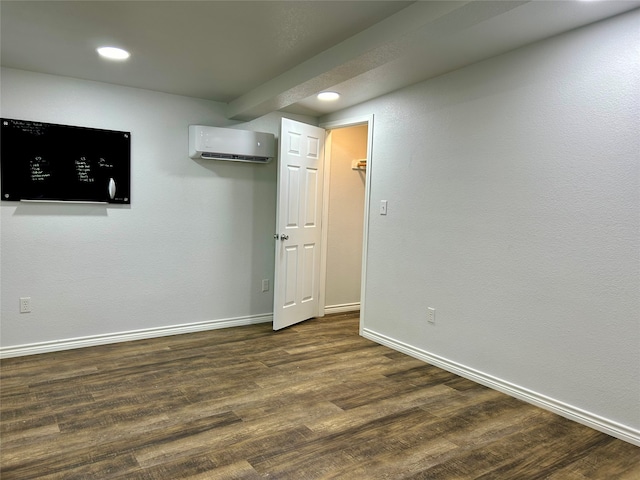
214, 143
234, 158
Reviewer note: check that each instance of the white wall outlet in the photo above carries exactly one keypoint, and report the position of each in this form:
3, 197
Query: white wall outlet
431, 315
265, 285
25, 304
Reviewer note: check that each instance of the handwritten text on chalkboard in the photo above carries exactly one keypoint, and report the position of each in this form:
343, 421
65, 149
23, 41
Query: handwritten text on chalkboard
45, 161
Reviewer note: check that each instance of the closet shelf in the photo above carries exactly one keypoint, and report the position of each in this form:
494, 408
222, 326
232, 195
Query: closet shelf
359, 164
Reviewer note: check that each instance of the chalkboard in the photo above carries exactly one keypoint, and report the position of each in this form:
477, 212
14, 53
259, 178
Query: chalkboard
49, 162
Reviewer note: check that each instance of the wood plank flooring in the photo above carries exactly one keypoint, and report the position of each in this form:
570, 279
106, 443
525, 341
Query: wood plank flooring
314, 401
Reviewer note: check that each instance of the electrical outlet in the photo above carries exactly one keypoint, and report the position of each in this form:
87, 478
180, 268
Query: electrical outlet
265, 285
431, 315
25, 304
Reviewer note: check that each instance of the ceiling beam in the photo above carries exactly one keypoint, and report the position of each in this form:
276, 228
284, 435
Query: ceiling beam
379, 44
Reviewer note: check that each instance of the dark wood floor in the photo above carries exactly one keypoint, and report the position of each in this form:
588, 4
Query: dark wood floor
314, 401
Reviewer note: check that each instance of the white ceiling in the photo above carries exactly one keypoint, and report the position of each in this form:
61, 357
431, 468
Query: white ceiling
261, 56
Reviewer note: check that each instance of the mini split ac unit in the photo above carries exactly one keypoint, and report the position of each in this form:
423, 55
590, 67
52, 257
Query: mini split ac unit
214, 143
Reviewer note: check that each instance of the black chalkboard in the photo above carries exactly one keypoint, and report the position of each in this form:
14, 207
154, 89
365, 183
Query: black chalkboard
45, 161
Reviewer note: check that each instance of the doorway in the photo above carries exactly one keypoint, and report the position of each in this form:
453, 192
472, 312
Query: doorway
302, 214
346, 172
345, 212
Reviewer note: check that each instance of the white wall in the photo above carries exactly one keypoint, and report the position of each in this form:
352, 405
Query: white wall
192, 247
514, 210
346, 215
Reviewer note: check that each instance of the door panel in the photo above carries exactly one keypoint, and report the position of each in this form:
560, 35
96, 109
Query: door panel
294, 143
311, 198
308, 273
313, 147
299, 210
291, 275
293, 203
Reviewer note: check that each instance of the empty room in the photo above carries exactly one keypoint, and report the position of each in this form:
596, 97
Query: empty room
320, 239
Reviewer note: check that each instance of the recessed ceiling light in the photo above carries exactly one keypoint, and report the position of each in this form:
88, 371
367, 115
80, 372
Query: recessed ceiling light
113, 53
328, 96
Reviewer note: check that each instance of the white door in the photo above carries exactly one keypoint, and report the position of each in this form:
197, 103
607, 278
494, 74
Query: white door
298, 223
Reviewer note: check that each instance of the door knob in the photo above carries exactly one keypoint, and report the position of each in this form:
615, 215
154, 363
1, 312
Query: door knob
284, 237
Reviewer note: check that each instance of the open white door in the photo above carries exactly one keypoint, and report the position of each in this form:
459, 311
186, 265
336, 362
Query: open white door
298, 222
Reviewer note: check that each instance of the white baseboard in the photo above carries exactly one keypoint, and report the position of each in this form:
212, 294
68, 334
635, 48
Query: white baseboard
345, 307
596, 422
93, 340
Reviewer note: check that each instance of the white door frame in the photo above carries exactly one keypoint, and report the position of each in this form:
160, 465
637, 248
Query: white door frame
328, 126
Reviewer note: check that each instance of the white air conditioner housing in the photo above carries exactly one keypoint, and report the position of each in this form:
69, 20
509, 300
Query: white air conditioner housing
214, 143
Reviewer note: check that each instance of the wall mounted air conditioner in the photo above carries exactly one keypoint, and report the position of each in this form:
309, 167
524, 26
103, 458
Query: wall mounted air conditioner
214, 143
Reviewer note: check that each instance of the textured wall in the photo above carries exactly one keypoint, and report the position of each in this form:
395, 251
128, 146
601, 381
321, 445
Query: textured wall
194, 245
514, 210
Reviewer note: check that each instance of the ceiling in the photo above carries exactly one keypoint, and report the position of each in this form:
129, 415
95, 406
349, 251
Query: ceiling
262, 56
